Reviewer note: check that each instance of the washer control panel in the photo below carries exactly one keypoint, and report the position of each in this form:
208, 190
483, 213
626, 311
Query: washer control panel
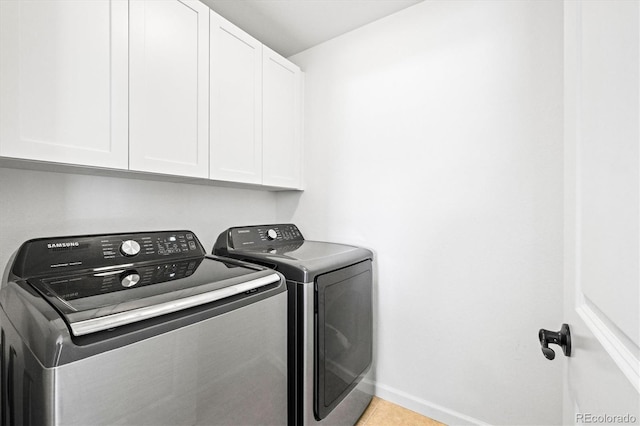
101, 252
263, 235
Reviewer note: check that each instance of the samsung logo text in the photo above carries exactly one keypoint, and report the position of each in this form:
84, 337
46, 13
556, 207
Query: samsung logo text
63, 245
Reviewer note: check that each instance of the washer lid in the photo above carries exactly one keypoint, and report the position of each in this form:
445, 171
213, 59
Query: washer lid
105, 299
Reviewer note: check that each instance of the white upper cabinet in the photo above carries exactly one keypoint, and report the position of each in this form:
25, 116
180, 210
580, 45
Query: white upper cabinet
282, 121
63, 81
158, 86
236, 104
255, 125
169, 87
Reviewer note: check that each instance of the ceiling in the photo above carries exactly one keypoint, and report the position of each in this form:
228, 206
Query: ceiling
291, 26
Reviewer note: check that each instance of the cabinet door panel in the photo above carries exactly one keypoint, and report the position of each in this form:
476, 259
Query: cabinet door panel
281, 132
63, 79
169, 94
236, 104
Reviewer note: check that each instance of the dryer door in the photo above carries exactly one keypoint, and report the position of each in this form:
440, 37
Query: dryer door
343, 334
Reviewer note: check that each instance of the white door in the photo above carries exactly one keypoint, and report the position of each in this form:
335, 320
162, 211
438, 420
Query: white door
602, 193
236, 103
64, 81
169, 87
281, 124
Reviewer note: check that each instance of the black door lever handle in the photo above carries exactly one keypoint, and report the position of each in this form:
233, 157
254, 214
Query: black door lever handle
561, 338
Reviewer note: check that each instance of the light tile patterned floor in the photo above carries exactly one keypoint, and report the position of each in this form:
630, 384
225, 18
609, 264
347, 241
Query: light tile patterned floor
385, 413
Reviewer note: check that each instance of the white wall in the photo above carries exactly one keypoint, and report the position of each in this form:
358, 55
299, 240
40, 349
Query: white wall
40, 204
434, 137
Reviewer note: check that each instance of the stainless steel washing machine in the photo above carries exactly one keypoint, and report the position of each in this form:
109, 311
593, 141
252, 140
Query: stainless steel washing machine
140, 328
330, 318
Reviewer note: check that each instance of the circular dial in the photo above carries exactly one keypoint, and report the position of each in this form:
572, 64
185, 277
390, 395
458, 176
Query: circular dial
130, 248
272, 234
129, 279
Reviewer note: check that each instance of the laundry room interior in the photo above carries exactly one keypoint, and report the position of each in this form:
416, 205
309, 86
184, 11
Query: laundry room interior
484, 151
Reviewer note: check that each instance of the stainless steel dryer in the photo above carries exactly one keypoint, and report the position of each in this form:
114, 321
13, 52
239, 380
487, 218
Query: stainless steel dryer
330, 318
140, 328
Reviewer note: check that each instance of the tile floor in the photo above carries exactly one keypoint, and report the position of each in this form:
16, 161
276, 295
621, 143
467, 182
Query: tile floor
385, 413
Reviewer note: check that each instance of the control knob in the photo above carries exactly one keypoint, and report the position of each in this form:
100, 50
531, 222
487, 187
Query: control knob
130, 248
272, 234
129, 279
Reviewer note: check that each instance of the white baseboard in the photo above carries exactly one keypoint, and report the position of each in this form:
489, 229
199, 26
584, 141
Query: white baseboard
426, 408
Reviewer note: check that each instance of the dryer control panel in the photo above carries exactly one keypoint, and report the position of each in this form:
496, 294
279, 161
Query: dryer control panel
75, 253
263, 235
